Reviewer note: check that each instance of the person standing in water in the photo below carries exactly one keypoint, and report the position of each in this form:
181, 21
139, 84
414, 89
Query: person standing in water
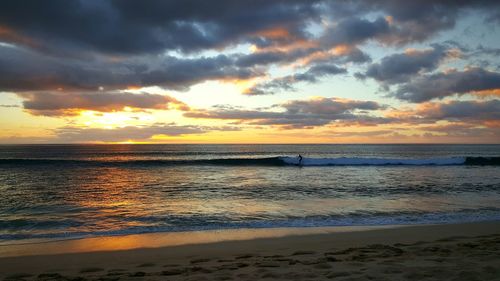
300, 160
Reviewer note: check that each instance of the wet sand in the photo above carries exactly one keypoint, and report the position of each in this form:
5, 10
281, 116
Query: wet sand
432, 252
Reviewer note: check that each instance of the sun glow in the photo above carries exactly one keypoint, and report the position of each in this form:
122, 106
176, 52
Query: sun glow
112, 120
130, 142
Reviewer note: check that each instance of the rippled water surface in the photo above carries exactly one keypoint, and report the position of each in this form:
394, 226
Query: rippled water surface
60, 191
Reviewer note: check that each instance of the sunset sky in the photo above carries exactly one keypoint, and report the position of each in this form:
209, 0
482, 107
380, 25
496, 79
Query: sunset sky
262, 71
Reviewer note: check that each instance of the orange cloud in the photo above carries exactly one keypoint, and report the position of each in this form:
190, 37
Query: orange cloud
292, 46
134, 87
70, 104
274, 33
337, 51
487, 93
492, 123
286, 42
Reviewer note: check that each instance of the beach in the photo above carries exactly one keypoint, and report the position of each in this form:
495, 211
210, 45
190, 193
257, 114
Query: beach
469, 251
249, 140
248, 212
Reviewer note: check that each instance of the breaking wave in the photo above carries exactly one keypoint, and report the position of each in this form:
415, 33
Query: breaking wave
269, 161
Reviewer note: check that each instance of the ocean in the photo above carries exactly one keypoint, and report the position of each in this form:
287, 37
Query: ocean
72, 191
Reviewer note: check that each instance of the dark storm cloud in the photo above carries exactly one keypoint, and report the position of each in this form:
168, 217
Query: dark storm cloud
441, 85
24, 70
295, 113
287, 82
133, 27
53, 104
355, 55
84, 45
179, 74
398, 68
352, 31
128, 27
263, 58
138, 27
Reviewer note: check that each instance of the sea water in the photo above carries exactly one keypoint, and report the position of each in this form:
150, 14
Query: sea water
71, 191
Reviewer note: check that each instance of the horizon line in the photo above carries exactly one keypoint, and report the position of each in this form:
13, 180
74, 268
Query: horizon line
395, 143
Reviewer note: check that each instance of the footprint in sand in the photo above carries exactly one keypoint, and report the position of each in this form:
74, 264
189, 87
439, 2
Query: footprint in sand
91, 269
147, 264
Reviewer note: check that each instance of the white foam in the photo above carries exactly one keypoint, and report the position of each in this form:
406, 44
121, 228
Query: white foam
346, 161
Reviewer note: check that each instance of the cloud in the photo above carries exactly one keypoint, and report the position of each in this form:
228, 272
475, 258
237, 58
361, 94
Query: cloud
286, 83
55, 104
401, 67
128, 27
419, 20
23, 70
17, 139
352, 31
440, 85
336, 112
474, 114
75, 134
179, 74
460, 110
327, 106
56, 55
88, 44
266, 57
463, 131
295, 114
375, 133
84, 45
144, 133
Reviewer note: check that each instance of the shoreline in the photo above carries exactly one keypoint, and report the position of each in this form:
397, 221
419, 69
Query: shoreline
317, 243
168, 239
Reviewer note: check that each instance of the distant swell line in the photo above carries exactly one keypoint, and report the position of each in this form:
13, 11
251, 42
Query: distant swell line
270, 161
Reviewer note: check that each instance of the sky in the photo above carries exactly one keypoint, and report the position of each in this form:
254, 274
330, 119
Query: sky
249, 71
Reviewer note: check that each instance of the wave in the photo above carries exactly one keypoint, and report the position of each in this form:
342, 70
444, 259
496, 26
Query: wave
269, 161
356, 219
347, 161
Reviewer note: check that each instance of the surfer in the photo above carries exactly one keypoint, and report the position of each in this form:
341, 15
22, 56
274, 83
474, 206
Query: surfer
300, 160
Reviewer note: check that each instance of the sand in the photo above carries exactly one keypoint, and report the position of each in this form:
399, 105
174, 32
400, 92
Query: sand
431, 252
